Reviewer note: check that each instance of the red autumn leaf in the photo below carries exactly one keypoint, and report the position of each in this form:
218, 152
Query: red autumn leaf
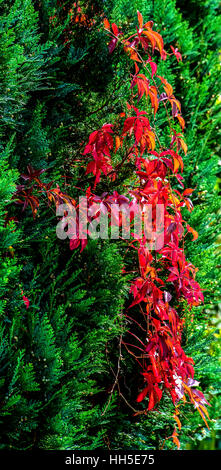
33, 174
155, 395
140, 127
56, 196
112, 44
176, 106
178, 140
142, 394
25, 299
115, 29
151, 403
176, 53
99, 145
153, 68
114, 40
27, 198
142, 83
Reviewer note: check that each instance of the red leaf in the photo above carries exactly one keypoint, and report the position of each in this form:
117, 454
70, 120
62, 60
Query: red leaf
112, 44
138, 130
151, 403
25, 299
115, 29
153, 68
142, 394
176, 53
128, 125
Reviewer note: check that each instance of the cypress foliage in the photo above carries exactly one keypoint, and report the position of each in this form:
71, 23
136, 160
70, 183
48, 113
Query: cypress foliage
194, 29
53, 355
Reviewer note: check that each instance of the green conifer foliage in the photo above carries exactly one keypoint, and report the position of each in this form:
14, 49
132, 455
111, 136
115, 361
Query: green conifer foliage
55, 375
194, 27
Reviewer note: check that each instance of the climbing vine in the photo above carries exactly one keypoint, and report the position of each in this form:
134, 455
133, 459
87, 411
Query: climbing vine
165, 281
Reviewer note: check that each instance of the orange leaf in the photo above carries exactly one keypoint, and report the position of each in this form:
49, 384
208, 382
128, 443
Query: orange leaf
194, 232
202, 415
178, 421
159, 41
167, 87
118, 143
184, 146
106, 23
204, 410
151, 38
136, 68
176, 164
151, 136
188, 191
153, 98
178, 105
176, 441
149, 24
181, 120
132, 53
140, 19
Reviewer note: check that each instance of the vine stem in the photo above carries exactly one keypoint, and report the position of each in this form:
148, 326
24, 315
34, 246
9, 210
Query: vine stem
115, 375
